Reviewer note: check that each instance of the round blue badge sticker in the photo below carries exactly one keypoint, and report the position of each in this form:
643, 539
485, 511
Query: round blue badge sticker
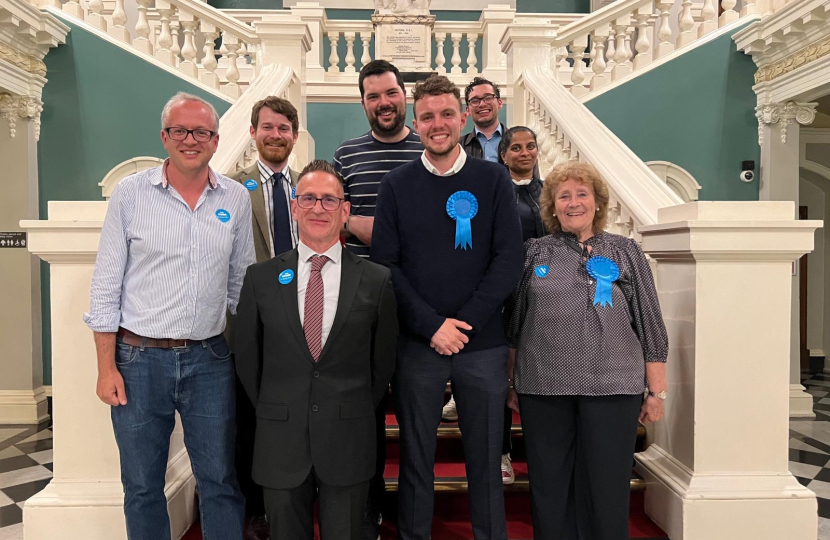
542, 270
286, 276
294, 193
251, 184
223, 215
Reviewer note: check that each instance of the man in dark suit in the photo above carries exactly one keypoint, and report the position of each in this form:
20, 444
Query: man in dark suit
316, 332
275, 126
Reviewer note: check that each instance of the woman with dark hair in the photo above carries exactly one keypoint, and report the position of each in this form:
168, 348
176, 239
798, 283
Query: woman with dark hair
589, 341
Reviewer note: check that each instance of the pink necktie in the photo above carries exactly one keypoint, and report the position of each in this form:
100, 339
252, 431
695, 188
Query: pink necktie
313, 310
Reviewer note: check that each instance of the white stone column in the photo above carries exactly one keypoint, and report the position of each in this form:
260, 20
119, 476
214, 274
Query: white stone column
22, 395
717, 468
525, 45
494, 19
314, 16
778, 129
85, 495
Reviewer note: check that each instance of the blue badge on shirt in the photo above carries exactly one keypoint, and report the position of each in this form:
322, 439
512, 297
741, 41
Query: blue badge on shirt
605, 271
251, 184
286, 276
294, 193
223, 215
542, 270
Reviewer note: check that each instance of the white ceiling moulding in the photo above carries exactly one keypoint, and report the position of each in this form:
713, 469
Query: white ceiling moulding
435, 5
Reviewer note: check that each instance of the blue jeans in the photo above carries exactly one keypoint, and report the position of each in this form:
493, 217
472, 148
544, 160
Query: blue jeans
198, 382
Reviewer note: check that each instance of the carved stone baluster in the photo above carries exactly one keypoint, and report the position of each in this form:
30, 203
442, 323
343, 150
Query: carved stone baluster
750, 8
334, 59
664, 35
472, 61
456, 52
142, 28
365, 39
231, 43
560, 148
189, 52
209, 63
621, 67
95, 15
349, 52
74, 8
440, 60
629, 52
175, 48
544, 145
559, 60
551, 155
643, 45
252, 52
685, 22
598, 64
611, 48
729, 14
578, 47
709, 14
119, 19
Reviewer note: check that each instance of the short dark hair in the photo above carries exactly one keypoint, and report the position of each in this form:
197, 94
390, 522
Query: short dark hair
507, 138
378, 67
435, 85
478, 81
321, 165
279, 106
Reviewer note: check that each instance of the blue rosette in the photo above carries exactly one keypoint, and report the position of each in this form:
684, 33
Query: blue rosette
605, 272
462, 206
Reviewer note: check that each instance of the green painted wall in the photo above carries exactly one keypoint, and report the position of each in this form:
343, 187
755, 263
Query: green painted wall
102, 106
553, 6
697, 111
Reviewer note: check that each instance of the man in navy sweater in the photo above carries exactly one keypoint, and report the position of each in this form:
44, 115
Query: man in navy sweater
446, 225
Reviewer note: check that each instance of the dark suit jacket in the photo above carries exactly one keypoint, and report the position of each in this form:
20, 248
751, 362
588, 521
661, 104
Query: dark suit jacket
315, 414
260, 219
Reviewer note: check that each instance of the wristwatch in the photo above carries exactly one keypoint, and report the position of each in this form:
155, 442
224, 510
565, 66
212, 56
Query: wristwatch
658, 395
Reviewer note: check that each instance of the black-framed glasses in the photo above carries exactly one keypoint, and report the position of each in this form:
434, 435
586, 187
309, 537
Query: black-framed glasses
486, 98
180, 134
328, 203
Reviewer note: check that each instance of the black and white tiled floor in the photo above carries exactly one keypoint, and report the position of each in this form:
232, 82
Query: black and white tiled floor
25, 469
26, 461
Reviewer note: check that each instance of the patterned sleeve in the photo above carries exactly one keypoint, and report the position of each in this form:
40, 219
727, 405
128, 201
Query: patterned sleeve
641, 295
517, 303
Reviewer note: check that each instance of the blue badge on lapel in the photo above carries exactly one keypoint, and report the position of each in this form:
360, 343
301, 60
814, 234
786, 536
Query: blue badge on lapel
286, 276
294, 193
251, 184
223, 215
542, 270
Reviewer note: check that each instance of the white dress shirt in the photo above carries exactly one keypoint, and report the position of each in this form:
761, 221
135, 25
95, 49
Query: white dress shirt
331, 282
456, 167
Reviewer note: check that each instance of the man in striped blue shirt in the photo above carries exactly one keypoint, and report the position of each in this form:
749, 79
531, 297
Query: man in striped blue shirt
363, 162
175, 244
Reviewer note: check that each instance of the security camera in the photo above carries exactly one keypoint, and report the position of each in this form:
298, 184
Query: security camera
747, 171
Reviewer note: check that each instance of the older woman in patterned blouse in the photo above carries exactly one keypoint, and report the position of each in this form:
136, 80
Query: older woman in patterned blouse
589, 339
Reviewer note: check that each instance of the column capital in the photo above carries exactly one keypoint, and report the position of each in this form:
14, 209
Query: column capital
784, 113
14, 107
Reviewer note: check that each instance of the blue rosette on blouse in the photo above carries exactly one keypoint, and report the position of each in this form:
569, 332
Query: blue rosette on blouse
605, 272
462, 206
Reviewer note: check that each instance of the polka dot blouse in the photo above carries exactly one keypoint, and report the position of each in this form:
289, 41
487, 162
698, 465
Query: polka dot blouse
567, 345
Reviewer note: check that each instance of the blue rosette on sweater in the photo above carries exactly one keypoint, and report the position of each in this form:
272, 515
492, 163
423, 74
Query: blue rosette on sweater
462, 206
604, 271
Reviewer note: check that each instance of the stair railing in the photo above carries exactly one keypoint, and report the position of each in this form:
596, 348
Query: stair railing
567, 130
179, 33
236, 148
628, 35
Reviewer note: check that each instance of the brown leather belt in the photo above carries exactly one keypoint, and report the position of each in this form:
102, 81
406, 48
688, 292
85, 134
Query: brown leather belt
135, 340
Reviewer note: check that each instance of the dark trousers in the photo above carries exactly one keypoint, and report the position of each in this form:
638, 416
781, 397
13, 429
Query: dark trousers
579, 458
377, 486
480, 388
291, 511
506, 445
245, 433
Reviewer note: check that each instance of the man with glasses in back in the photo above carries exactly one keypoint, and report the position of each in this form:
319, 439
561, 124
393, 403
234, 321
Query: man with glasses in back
174, 247
483, 100
315, 350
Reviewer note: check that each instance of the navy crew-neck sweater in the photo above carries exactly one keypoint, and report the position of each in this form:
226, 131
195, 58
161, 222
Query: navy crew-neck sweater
434, 280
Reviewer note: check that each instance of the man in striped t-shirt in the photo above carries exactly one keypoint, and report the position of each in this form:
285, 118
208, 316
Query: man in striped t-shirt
364, 160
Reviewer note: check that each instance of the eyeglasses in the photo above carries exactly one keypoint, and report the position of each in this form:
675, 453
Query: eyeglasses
180, 134
486, 98
328, 203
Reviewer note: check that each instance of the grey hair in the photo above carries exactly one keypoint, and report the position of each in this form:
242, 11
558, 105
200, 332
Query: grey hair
181, 97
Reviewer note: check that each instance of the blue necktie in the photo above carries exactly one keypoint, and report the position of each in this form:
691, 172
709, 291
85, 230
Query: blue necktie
282, 218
